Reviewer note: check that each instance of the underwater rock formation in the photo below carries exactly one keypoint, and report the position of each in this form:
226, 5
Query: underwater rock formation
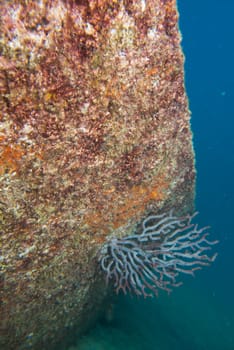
94, 135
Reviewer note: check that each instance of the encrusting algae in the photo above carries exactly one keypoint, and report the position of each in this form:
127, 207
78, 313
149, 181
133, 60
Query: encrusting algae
94, 134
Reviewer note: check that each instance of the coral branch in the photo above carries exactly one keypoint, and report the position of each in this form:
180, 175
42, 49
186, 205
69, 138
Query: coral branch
144, 263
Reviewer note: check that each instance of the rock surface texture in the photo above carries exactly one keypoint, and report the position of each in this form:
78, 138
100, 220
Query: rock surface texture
94, 134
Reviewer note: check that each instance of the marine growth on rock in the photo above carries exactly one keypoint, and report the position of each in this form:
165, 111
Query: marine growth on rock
94, 135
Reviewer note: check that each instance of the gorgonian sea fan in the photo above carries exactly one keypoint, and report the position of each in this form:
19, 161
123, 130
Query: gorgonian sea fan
151, 260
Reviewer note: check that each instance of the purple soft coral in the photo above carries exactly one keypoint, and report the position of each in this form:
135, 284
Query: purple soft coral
152, 260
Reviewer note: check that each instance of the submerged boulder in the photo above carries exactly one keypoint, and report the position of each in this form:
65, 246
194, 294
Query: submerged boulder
94, 135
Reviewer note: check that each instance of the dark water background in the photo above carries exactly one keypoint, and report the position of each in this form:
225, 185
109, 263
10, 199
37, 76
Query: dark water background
200, 314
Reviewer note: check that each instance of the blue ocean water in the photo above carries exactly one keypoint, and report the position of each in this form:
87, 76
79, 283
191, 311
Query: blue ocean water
200, 314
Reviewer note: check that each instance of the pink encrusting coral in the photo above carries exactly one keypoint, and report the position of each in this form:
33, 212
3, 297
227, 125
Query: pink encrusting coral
151, 260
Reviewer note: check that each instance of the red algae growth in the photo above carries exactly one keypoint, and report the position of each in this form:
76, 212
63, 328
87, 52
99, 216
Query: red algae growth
94, 134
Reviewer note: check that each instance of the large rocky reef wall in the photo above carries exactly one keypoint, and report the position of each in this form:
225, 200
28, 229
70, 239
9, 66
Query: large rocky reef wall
94, 134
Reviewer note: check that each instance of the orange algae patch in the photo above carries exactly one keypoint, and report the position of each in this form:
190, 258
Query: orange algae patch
152, 71
132, 205
10, 156
137, 200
